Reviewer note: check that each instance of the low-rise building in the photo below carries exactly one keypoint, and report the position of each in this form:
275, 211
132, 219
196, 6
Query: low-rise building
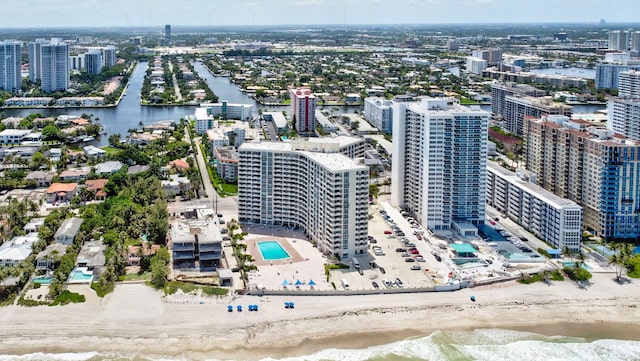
91, 255
107, 168
75, 175
50, 256
175, 185
279, 121
556, 220
28, 102
80, 101
97, 187
33, 226
13, 136
41, 177
16, 250
61, 192
135, 253
227, 163
68, 230
196, 243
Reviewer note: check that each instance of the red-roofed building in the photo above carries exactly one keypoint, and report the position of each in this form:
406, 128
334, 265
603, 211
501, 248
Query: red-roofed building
61, 192
179, 165
97, 186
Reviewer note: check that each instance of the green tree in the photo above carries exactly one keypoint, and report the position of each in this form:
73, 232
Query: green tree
160, 268
52, 133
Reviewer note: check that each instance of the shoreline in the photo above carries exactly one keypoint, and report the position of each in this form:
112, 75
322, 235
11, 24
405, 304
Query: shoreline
139, 320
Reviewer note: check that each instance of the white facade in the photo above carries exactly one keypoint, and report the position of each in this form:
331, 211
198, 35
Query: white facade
229, 110
476, 65
35, 70
624, 116
439, 162
629, 84
203, 120
303, 110
10, 66
326, 195
54, 63
16, 250
556, 220
379, 113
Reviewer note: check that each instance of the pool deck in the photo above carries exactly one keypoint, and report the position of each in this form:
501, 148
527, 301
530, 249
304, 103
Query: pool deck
252, 247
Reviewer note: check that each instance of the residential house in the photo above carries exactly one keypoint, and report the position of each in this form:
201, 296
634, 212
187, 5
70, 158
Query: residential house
135, 169
91, 255
179, 164
16, 250
97, 187
41, 177
33, 226
175, 185
135, 253
75, 175
107, 168
61, 192
91, 151
48, 258
68, 230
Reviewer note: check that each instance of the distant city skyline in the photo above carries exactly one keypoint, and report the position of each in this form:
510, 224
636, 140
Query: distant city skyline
95, 13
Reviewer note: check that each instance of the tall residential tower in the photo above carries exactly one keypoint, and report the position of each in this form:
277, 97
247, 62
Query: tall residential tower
439, 163
303, 110
10, 65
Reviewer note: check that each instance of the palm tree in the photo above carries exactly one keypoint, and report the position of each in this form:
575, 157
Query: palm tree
620, 257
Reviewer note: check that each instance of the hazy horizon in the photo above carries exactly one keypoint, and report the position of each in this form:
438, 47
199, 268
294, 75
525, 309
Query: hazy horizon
153, 13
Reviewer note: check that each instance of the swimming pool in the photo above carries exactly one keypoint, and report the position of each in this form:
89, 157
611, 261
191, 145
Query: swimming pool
573, 264
272, 250
43, 280
81, 275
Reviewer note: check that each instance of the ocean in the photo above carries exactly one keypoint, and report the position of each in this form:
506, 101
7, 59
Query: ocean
481, 344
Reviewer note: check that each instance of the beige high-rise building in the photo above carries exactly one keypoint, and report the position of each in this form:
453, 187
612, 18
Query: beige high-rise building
594, 167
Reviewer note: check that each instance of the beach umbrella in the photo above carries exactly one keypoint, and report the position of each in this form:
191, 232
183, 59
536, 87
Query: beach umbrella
285, 283
298, 283
312, 283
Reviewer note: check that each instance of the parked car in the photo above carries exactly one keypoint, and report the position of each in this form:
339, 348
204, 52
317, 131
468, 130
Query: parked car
382, 270
438, 258
415, 267
388, 232
405, 254
409, 260
387, 283
414, 251
399, 282
375, 285
400, 249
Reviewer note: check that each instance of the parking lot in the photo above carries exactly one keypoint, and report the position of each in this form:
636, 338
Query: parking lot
395, 252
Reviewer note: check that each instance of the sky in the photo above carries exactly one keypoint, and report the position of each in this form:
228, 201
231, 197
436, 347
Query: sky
76, 13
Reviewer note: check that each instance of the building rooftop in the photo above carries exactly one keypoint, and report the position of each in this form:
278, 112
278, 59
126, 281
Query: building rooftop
541, 193
69, 226
92, 254
18, 248
62, 187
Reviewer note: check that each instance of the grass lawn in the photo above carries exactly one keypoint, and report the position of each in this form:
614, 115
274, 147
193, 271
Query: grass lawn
146, 276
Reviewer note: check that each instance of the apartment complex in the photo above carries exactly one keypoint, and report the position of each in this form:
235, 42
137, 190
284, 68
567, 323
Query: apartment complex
619, 40
379, 113
323, 194
519, 107
591, 166
492, 56
93, 61
556, 220
500, 90
196, 242
608, 74
624, 110
10, 65
54, 66
109, 56
439, 162
303, 110
476, 65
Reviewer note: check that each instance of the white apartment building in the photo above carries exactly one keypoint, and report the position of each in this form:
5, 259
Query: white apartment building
519, 107
323, 194
624, 116
303, 110
439, 162
10, 65
227, 110
93, 61
379, 112
476, 65
54, 65
629, 84
556, 220
352, 147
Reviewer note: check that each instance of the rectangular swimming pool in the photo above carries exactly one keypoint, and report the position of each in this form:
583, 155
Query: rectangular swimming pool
272, 250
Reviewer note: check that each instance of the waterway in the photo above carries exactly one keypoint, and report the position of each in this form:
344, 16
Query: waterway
573, 72
129, 113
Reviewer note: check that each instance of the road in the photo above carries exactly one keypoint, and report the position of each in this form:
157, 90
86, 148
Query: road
175, 83
227, 206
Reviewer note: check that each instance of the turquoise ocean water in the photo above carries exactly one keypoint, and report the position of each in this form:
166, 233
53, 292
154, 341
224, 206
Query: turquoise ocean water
485, 344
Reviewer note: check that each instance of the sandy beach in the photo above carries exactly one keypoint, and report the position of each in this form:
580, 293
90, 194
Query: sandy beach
136, 319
